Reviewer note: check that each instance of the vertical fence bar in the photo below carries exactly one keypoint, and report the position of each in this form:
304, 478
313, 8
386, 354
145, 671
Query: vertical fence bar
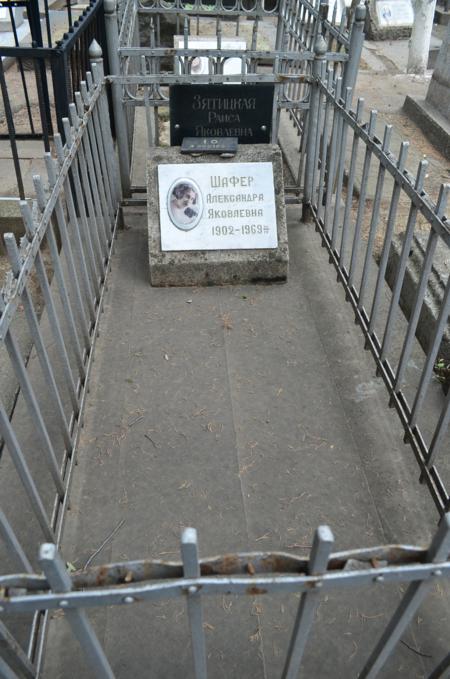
331, 160
323, 145
30, 229
44, 100
24, 473
319, 57
342, 143
280, 25
375, 218
120, 122
95, 136
14, 654
394, 305
396, 191
6, 672
74, 228
34, 410
438, 551
319, 128
67, 249
105, 124
427, 371
11, 131
149, 118
13, 545
191, 569
89, 190
33, 323
60, 74
59, 581
350, 183
92, 177
67, 308
95, 132
355, 49
94, 256
320, 552
21, 70
361, 201
421, 289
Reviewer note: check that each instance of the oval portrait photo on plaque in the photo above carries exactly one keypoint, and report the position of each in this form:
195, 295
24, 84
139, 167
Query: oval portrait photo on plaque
184, 204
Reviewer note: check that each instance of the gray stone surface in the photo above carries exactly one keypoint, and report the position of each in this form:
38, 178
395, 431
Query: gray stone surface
438, 94
431, 121
441, 16
217, 267
435, 289
10, 220
433, 112
435, 46
253, 414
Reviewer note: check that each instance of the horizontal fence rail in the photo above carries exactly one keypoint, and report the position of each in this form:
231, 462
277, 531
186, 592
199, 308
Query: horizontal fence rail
243, 574
50, 308
384, 236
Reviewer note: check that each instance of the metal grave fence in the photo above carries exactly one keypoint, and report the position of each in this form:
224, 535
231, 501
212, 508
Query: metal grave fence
50, 70
145, 60
385, 236
252, 574
50, 307
55, 290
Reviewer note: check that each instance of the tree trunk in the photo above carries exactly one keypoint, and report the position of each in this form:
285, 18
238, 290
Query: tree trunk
419, 43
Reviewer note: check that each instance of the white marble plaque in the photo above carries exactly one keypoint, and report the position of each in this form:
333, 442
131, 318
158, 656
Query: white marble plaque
394, 13
200, 65
217, 206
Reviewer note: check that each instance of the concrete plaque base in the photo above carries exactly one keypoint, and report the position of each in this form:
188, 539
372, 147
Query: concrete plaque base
216, 267
389, 19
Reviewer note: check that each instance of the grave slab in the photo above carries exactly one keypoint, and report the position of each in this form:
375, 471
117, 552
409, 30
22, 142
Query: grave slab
433, 112
184, 267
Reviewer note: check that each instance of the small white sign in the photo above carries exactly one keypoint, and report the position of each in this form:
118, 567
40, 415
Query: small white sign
217, 206
395, 13
201, 65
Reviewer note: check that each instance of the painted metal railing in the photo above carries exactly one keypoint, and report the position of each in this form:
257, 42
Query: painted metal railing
142, 73
54, 294
253, 574
383, 232
63, 62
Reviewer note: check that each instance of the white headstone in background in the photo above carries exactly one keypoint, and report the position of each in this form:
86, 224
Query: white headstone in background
200, 65
394, 13
217, 206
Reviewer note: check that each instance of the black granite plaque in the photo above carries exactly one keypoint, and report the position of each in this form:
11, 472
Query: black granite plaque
242, 111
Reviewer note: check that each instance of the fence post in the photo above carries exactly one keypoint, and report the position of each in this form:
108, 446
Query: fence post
98, 74
312, 137
280, 24
355, 49
120, 122
191, 569
309, 602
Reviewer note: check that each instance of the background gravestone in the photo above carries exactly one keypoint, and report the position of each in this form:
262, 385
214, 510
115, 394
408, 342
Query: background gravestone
432, 114
438, 94
389, 19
